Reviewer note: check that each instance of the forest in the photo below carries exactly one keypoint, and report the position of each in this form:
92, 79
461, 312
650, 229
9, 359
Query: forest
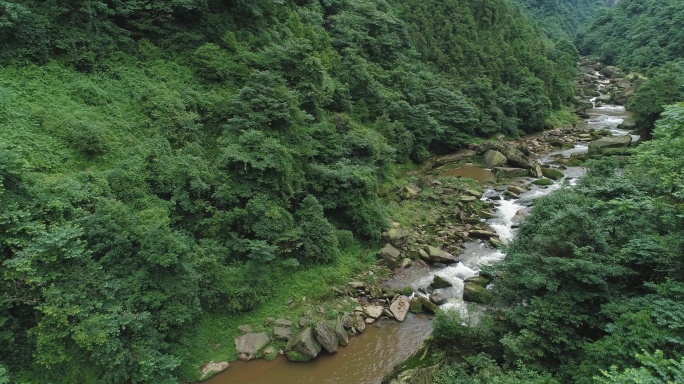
166, 166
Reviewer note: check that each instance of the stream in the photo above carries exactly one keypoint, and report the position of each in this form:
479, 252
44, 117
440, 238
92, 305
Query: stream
387, 343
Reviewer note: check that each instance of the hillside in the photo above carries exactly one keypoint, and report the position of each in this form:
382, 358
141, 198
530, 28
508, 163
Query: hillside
562, 19
164, 164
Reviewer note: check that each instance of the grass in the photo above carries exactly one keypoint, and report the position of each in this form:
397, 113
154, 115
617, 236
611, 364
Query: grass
212, 339
562, 118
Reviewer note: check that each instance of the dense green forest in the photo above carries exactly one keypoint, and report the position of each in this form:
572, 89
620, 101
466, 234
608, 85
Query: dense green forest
591, 288
563, 18
165, 163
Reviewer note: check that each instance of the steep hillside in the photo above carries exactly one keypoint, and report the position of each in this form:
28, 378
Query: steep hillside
562, 19
164, 164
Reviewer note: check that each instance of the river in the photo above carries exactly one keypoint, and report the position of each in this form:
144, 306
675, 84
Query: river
386, 343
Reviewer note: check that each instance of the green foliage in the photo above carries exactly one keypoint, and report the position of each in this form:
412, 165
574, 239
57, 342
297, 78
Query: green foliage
562, 19
665, 87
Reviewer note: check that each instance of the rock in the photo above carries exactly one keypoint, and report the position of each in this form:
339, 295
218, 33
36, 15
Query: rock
389, 254
347, 320
303, 346
405, 263
516, 158
409, 191
474, 193
269, 320
211, 368
510, 173
552, 173
305, 320
482, 234
398, 237
468, 199
439, 256
415, 305
494, 158
400, 307
284, 323
521, 214
356, 284
475, 293
516, 189
250, 344
417, 376
605, 98
455, 157
610, 142
429, 305
342, 336
282, 333
537, 171
359, 323
543, 182
438, 299
326, 336
245, 328
439, 282
479, 280
373, 311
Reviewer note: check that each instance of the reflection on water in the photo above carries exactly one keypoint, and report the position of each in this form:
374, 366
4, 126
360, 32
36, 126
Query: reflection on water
476, 173
368, 358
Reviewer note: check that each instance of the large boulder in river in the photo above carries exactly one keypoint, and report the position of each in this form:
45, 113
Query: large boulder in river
475, 293
510, 173
400, 307
552, 173
249, 345
610, 142
303, 346
516, 158
326, 336
494, 158
389, 254
439, 282
436, 255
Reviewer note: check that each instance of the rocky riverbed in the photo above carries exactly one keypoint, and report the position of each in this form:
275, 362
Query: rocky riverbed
448, 225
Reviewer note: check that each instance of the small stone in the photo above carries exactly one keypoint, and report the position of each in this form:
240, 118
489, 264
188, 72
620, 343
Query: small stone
284, 323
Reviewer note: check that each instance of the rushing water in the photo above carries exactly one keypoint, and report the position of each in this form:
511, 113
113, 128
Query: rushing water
383, 345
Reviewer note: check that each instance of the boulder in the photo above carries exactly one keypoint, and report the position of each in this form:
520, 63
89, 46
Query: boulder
326, 336
405, 263
482, 234
516, 158
494, 158
342, 336
400, 307
415, 305
479, 280
429, 305
282, 333
537, 171
552, 173
398, 237
246, 328
417, 376
438, 298
468, 199
521, 214
516, 189
409, 191
347, 320
359, 323
510, 173
543, 182
439, 282
211, 368
475, 293
389, 254
439, 256
250, 344
463, 154
373, 311
303, 346
284, 323
610, 142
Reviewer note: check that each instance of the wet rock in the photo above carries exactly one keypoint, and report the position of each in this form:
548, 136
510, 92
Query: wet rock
510, 173
543, 182
409, 191
552, 173
482, 234
438, 298
439, 256
212, 368
303, 346
282, 333
429, 305
398, 237
373, 311
326, 336
475, 293
439, 282
479, 280
389, 254
516, 189
521, 215
250, 344
359, 323
415, 305
400, 307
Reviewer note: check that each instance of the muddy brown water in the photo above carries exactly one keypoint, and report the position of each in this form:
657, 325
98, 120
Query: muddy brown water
480, 174
367, 359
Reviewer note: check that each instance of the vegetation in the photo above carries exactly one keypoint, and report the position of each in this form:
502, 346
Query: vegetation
562, 19
164, 164
591, 288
